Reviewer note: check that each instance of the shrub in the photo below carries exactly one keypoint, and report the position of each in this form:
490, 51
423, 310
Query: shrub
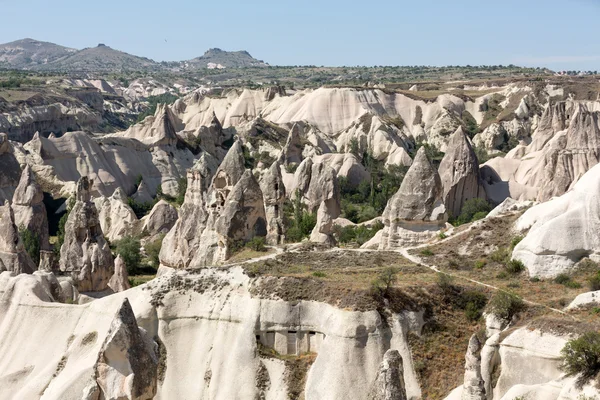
445, 282
581, 357
257, 244
442, 236
181, 189
129, 250
594, 283
514, 267
384, 282
152, 250
291, 168
319, 274
479, 264
515, 241
31, 242
505, 305
141, 209
472, 210
500, 255
426, 252
473, 302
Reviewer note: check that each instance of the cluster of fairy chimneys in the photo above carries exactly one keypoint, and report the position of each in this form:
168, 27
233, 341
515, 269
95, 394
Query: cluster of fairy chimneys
427, 196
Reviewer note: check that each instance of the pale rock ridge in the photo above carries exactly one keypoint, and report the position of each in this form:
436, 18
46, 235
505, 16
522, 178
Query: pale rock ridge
345, 165
142, 194
116, 217
85, 253
273, 190
292, 150
161, 219
459, 172
389, 384
473, 388
28, 207
13, 256
157, 130
127, 362
556, 118
180, 245
119, 282
416, 212
576, 215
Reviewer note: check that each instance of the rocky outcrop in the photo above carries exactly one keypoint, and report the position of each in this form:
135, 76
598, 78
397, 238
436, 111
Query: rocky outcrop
161, 219
28, 207
292, 150
273, 190
241, 218
13, 256
389, 384
156, 130
116, 217
119, 282
576, 215
473, 388
416, 212
85, 253
10, 170
127, 362
459, 172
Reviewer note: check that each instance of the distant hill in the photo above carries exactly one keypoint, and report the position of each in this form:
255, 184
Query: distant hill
100, 58
30, 53
214, 58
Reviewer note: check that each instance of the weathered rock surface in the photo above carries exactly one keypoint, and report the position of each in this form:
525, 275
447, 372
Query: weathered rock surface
10, 170
85, 253
273, 190
127, 362
119, 282
28, 207
116, 217
473, 387
459, 172
416, 212
13, 256
161, 219
576, 215
389, 384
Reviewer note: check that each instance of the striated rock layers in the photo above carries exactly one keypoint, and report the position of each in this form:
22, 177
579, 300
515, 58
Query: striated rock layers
459, 172
85, 252
28, 207
416, 212
13, 256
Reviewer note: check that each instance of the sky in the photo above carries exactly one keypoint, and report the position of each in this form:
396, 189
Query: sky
560, 35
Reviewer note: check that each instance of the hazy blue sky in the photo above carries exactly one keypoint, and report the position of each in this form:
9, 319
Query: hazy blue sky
557, 34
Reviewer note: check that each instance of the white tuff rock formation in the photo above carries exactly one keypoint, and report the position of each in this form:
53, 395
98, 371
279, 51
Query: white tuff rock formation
473, 388
389, 384
273, 190
28, 207
117, 219
13, 256
85, 253
119, 282
576, 215
459, 172
416, 212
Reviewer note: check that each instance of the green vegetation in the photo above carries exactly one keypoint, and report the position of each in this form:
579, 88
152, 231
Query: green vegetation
505, 305
481, 154
31, 242
298, 220
152, 250
514, 267
581, 357
257, 243
472, 210
129, 250
358, 234
435, 156
181, 189
471, 126
384, 282
154, 101
566, 280
426, 252
140, 209
60, 235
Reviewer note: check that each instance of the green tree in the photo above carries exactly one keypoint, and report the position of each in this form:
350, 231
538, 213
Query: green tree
581, 357
31, 242
129, 250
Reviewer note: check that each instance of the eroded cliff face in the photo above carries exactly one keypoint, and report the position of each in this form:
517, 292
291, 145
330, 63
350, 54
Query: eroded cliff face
220, 333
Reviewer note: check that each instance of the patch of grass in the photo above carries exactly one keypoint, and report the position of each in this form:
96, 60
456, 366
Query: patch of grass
479, 264
138, 280
514, 267
426, 252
